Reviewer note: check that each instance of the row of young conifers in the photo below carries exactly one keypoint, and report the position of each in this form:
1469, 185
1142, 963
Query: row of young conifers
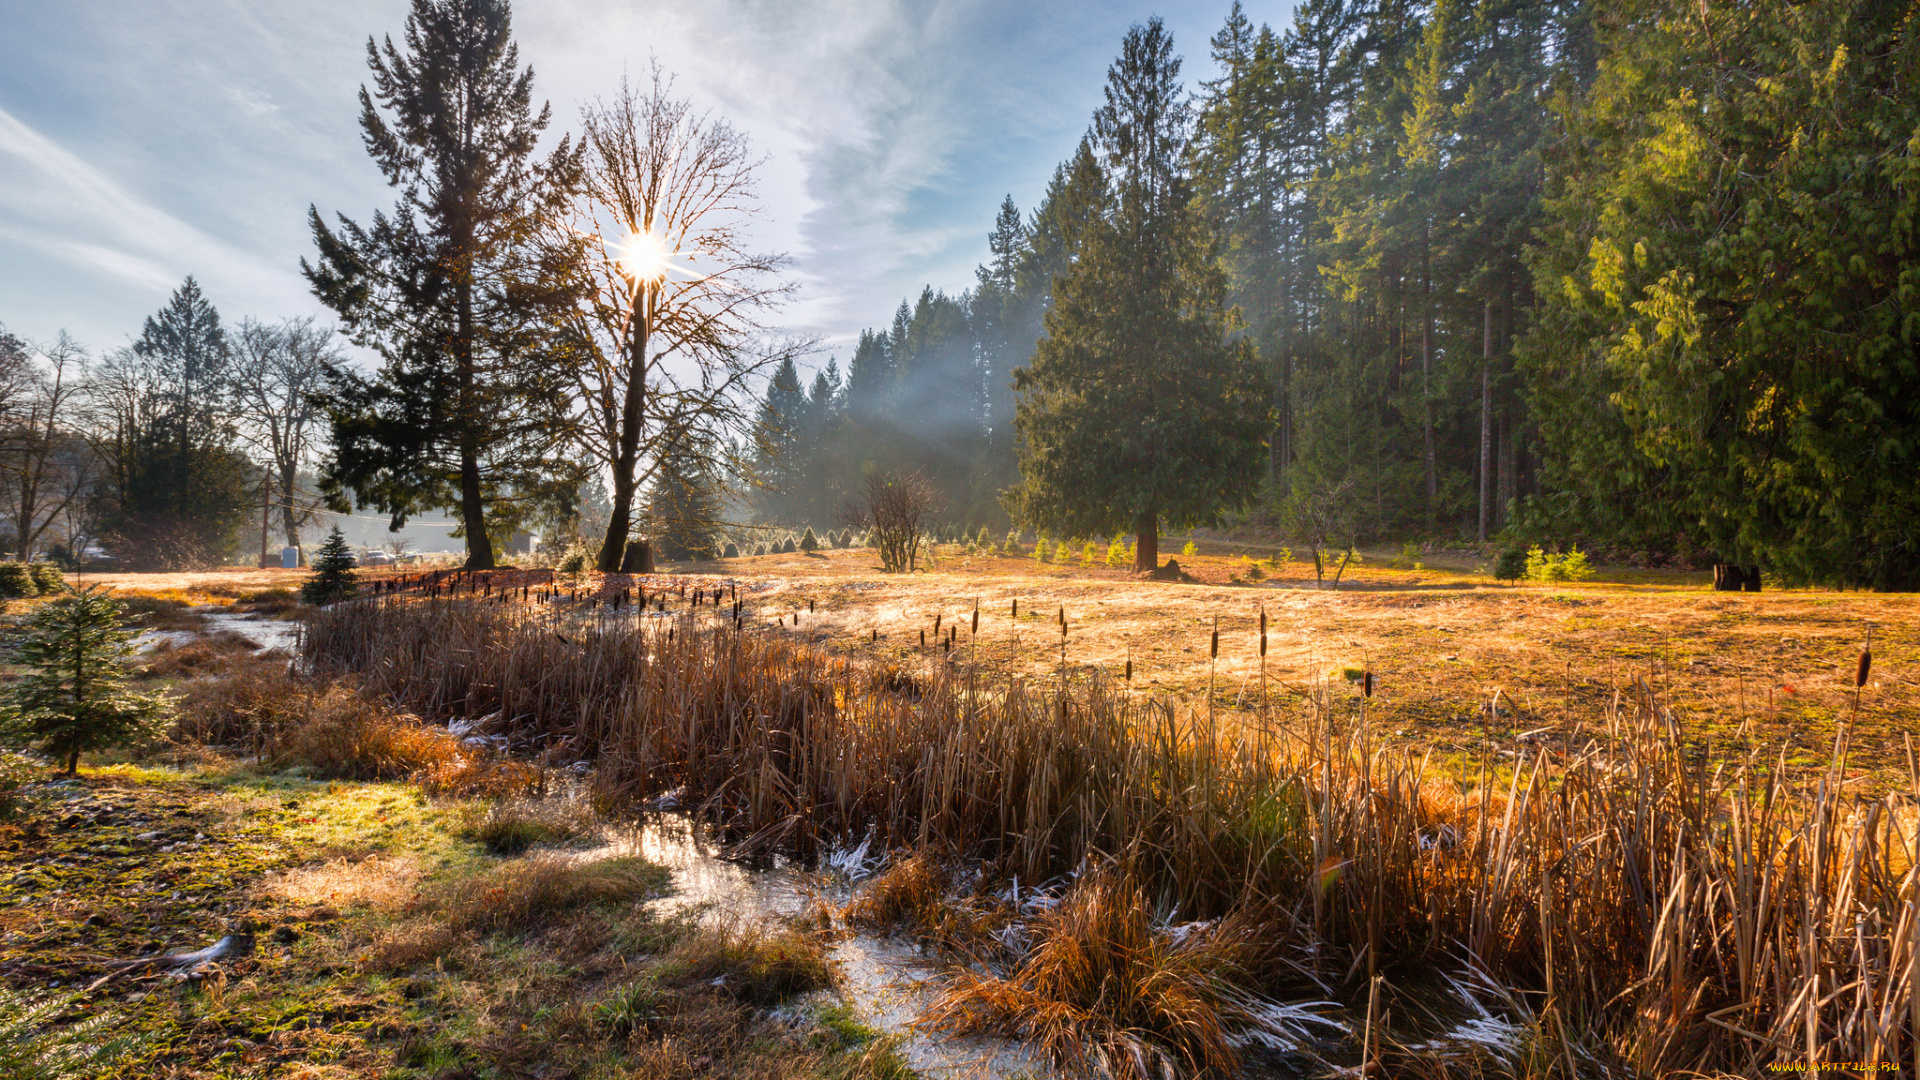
1621, 905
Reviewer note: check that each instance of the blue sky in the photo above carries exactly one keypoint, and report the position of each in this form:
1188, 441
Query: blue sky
143, 140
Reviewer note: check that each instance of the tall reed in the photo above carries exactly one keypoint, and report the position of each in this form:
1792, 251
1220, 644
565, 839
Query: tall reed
1684, 915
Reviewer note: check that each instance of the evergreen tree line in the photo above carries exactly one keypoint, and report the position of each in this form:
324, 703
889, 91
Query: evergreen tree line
1632, 275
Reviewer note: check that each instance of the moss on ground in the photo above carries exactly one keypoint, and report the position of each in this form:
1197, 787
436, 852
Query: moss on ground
370, 959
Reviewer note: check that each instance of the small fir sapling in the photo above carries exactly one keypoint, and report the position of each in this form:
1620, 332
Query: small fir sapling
333, 577
73, 698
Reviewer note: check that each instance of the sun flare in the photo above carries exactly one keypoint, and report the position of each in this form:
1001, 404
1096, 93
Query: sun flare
642, 255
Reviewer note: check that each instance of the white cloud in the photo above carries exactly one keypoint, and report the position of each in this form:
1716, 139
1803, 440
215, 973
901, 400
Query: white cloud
143, 141
57, 204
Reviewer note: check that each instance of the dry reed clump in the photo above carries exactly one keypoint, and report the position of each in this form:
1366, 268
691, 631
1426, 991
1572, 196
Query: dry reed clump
1682, 917
333, 731
208, 654
1106, 991
511, 826
910, 894
757, 963
540, 889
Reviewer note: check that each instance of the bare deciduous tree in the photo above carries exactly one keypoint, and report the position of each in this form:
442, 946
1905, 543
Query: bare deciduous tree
277, 370
45, 466
1321, 514
666, 329
895, 508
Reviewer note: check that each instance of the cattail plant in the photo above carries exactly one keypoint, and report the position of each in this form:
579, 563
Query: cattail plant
1681, 915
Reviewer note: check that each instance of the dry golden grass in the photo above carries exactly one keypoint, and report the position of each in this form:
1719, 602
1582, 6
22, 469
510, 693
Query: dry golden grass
1646, 890
510, 826
1106, 993
757, 963
543, 888
387, 884
909, 894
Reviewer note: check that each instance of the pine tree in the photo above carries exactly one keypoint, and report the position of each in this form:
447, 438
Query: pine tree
333, 576
449, 290
1137, 410
73, 698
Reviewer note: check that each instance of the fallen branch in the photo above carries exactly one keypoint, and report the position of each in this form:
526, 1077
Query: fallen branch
179, 965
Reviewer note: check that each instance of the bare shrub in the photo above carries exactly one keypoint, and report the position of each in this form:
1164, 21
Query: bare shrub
893, 510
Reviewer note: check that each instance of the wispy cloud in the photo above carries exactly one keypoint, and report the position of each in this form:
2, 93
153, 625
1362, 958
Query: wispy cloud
66, 210
139, 143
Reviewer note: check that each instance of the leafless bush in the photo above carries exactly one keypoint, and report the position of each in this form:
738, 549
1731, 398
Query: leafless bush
894, 511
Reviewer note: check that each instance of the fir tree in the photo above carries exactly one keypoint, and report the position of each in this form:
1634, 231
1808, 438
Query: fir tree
683, 505
448, 290
73, 698
333, 577
1137, 409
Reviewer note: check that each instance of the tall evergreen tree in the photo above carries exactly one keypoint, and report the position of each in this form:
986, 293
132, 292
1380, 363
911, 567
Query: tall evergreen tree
1729, 349
684, 507
1137, 409
174, 490
447, 289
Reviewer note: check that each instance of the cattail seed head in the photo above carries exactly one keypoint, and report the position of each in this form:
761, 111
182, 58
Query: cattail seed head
923, 638
976, 620
1366, 684
1129, 675
1016, 609
1263, 624
1862, 669
1263, 645
936, 622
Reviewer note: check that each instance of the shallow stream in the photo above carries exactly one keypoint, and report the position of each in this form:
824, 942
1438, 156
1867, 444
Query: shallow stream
886, 981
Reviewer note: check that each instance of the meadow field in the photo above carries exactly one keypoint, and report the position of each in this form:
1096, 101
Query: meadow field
1446, 826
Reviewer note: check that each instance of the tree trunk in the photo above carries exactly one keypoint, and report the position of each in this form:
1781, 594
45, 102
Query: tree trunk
1146, 549
289, 520
472, 514
627, 455
73, 763
1486, 417
266, 515
1426, 372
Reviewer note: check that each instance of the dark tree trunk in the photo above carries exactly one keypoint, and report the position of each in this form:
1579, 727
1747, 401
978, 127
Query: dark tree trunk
1426, 372
73, 763
473, 515
1486, 417
627, 455
1146, 550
